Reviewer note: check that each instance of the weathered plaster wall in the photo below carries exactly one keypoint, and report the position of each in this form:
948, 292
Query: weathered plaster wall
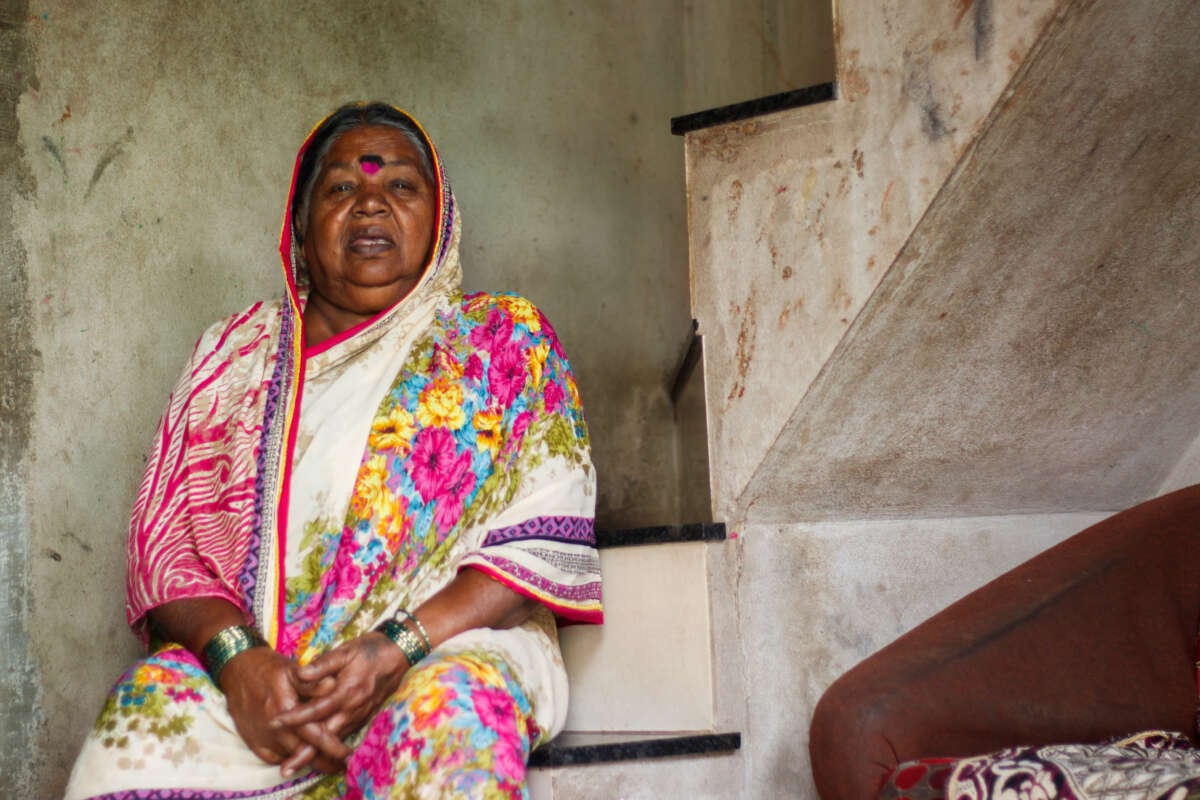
795, 218
149, 179
1033, 347
1186, 472
19, 364
734, 52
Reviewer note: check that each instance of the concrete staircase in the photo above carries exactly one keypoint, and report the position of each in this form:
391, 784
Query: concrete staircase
970, 284
949, 318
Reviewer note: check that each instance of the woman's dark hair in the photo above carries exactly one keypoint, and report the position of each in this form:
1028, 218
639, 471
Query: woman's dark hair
349, 117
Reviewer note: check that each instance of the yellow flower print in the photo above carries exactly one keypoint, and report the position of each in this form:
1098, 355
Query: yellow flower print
537, 359
488, 434
384, 507
448, 364
430, 703
522, 311
395, 521
369, 486
393, 432
152, 673
306, 653
441, 405
573, 389
484, 672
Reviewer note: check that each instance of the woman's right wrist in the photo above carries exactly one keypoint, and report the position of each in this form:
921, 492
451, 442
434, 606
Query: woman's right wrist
225, 645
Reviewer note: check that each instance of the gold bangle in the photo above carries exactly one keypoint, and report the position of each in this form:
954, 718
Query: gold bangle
226, 644
420, 629
413, 648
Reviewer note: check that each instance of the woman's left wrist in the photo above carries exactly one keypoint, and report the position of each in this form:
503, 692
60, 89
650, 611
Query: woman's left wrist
407, 633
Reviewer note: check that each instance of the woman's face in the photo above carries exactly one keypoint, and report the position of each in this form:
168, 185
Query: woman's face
370, 224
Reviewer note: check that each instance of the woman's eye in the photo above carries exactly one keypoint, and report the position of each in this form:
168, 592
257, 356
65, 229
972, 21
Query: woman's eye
341, 186
401, 186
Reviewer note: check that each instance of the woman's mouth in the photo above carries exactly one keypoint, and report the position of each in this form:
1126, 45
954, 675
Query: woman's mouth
368, 243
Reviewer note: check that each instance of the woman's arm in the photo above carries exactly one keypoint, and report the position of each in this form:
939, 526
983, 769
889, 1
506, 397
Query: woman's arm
258, 683
365, 672
472, 600
193, 621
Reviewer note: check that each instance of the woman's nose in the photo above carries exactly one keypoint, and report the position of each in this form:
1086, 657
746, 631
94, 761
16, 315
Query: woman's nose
370, 200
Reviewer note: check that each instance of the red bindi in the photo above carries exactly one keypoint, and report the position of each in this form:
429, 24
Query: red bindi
370, 163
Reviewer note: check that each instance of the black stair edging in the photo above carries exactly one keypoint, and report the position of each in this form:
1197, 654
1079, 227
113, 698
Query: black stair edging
807, 96
661, 534
562, 752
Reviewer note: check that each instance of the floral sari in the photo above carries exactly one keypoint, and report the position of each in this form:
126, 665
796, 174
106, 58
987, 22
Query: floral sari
320, 489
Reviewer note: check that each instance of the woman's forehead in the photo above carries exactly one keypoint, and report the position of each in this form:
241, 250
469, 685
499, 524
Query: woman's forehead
376, 145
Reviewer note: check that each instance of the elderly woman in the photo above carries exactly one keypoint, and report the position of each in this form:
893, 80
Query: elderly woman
366, 505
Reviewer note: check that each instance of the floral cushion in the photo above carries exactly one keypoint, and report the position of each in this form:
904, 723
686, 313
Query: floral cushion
1157, 765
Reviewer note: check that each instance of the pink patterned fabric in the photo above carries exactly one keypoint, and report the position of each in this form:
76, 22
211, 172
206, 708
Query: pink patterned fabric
195, 516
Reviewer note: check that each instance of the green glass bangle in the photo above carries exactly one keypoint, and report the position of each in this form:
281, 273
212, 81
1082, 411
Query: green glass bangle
420, 629
412, 647
226, 644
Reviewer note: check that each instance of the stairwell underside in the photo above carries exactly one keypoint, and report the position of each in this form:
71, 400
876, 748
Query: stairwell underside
1036, 345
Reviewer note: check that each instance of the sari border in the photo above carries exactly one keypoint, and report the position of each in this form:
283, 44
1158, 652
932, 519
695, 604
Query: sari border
550, 528
590, 610
279, 792
290, 433
248, 577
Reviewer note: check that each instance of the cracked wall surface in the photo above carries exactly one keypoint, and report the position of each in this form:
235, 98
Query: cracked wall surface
795, 218
19, 365
1033, 347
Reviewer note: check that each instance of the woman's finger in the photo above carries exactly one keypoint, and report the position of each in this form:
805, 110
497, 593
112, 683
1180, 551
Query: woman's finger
300, 758
267, 755
310, 757
341, 726
325, 742
310, 689
313, 711
327, 664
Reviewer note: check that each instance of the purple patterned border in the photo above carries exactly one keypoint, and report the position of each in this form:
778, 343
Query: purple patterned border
248, 578
200, 794
589, 591
576, 530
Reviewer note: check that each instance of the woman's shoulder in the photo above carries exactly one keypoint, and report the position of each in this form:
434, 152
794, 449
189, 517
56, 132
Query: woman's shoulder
504, 301
235, 331
488, 308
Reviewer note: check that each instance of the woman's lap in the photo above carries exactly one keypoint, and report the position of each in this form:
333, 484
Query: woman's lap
459, 726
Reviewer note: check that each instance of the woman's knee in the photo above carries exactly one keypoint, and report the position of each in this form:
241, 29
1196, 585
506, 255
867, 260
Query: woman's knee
458, 723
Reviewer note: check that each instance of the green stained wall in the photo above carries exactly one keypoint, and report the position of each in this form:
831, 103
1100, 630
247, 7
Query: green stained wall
18, 366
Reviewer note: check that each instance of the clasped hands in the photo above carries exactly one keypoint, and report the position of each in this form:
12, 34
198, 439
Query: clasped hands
299, 716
